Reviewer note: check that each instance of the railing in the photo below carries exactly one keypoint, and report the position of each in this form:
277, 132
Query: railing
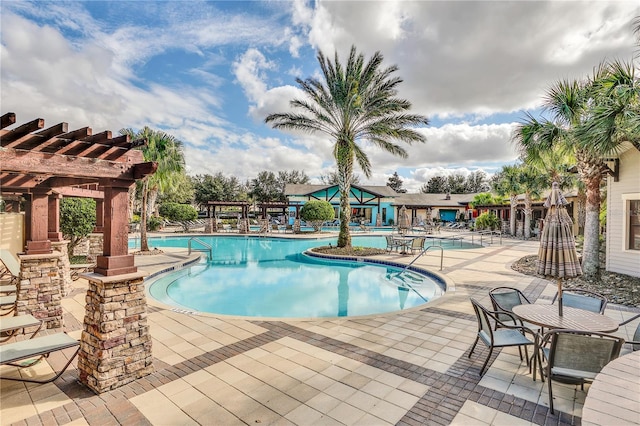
205, 247
420, 254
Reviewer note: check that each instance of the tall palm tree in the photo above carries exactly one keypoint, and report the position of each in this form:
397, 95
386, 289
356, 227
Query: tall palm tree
356, 102
507, 183
167, 151
569, 103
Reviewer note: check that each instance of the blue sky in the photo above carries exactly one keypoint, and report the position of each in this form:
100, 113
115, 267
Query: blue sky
209, 72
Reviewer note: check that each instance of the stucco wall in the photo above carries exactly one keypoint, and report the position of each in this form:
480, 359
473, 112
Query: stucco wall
11, 239
619, 258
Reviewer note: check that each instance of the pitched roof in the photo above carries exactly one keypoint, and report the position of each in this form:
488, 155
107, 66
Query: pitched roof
306, 189
433, 200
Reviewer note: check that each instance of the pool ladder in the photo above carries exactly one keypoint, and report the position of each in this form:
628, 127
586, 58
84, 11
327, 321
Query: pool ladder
206, 248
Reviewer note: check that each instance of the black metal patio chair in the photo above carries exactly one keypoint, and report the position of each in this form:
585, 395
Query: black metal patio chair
506, 335
583, 299
635, 343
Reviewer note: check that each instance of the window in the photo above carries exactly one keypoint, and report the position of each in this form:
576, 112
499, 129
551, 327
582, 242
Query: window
633, 215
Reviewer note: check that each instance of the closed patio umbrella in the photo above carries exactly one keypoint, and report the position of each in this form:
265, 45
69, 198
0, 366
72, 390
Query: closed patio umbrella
557, 256
404, 223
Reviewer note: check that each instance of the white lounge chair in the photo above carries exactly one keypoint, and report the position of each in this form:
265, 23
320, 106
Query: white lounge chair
39, 347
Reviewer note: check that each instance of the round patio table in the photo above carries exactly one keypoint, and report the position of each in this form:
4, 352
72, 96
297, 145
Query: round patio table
547, 316
614, 395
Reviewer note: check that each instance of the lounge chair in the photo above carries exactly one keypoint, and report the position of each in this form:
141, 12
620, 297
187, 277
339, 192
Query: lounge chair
10, 326
8, 304
39, 347
75, 269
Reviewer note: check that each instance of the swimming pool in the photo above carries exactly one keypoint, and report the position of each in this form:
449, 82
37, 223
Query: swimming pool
272, 278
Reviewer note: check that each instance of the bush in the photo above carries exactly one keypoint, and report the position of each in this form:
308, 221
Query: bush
316, 212
154, 223
487, 221
77, 219
178, 212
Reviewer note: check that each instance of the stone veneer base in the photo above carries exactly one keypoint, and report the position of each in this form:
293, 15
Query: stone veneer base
115, 347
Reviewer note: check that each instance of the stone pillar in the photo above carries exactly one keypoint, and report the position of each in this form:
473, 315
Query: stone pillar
96, 242
115, 347
296, 225
61, 247
210, 225
379, 219
40, 288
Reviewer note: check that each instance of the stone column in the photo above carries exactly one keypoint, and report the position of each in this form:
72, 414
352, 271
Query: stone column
379, 219
40, 288
296, 225
61, 247
115, 347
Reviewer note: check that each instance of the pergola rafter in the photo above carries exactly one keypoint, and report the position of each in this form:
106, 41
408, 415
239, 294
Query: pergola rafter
37, 162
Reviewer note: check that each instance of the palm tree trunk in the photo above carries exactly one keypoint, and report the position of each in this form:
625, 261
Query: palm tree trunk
513, 201
144, 243
590, 171
528, 212
345, 170
151, 201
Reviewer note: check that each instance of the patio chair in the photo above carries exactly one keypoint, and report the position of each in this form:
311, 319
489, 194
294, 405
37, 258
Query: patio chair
583, 299
503, 299
507, 335
8, 304
576, 357
10, 326
392, 244
635, 343
417, 244
38, 347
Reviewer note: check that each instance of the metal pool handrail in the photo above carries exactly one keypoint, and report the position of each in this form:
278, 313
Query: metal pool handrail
206, 247
421, 253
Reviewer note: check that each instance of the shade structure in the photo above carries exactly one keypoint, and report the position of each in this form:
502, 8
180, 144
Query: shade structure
557, 256
404, 223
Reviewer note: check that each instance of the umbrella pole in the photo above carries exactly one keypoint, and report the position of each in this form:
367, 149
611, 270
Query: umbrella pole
560, 296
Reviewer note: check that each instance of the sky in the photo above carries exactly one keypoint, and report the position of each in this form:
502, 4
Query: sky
209, 73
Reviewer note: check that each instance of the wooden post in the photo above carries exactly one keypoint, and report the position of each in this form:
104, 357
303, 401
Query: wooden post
100, 215
116, 259
37, 223
54, 233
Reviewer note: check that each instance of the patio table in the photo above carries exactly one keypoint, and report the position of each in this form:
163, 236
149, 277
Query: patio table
614, 395
404, 242
547, 316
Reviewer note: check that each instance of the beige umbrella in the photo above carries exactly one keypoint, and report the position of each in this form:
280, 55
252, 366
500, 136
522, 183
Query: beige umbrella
404, 223
557, 256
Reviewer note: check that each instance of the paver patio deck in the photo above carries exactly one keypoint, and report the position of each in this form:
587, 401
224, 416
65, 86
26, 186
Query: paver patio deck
405, 368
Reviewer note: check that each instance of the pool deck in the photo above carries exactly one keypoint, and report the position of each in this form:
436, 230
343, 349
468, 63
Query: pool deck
404, 368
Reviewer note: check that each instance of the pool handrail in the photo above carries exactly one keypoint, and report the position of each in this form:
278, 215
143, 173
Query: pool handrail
206, 247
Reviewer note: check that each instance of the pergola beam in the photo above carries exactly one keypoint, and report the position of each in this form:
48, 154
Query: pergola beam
7, 136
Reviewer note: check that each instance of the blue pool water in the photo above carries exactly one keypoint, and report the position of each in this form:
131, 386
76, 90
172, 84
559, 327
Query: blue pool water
270, 277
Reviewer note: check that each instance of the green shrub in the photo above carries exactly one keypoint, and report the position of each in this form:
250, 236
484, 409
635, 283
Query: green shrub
487, 221
77, 219
154, 223
179, 213
316, 212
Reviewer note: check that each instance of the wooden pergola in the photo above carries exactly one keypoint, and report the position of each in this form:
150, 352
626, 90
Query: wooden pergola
42, 164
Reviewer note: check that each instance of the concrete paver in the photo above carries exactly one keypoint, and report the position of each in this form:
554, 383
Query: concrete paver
409, 367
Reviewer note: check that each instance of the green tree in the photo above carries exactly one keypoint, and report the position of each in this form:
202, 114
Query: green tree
506, 183
568, 104
395, 183
485, 199
181, 191
179, 212
217, 187
290, 177
487, 221
356, 102
167, 152
265, 187
435, 185
77, 219
456, 183
476, 182
317, 212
